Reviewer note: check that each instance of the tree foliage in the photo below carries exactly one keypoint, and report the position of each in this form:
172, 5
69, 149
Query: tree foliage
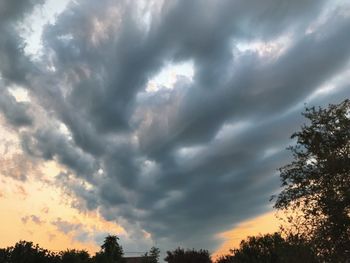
271, 248
74, 256
111, 251
317, 182
152, 256
180, 255
26, 252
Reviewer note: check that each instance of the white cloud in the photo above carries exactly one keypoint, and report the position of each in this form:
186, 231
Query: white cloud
33, 26
20, 94
169, 74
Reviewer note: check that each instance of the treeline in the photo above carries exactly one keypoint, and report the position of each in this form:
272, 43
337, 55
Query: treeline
315, 197
268, 248
111, 252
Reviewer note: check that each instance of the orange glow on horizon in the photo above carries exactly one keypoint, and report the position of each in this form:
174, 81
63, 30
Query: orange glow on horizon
31, 208
263, 224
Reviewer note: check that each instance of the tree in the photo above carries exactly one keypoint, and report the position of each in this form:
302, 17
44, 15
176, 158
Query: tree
152, 256
271, 248
111, 251
317, 182
225, 259
179, 255
4, 255
27, 252
74, 256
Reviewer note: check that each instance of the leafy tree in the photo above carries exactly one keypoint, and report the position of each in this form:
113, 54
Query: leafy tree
4, 255
74, 256
27, 252
179, 255
152, 256
111, 251
271, 248
225, 259
316, 184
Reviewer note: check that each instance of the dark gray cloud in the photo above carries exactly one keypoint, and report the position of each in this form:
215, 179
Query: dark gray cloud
16, 113
186, 163
14, 66
15, 9
52, 145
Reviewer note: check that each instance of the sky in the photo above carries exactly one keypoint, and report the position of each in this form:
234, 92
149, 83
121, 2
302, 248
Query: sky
164, 122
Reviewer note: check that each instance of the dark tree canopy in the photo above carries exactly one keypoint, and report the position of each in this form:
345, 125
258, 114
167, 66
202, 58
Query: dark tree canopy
317, 182
271, 248
225, 259
180, 255
152, 256
74, 256
111, 251
26, 252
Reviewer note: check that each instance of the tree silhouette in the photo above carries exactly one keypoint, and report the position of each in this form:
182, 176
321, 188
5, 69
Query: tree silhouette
4, 255
180, 255
152, 256
27, 252
317, 182
111, 251
74, 256
271, 248
225, 259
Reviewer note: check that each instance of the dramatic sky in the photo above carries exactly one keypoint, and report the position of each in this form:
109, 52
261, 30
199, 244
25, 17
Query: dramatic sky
161, 121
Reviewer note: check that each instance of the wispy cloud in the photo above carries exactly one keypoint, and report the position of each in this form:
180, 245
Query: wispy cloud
33, 218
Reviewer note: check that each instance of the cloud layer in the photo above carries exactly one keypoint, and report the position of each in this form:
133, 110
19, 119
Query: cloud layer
185, 162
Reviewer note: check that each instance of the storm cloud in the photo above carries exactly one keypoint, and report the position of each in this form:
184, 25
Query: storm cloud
186, 162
